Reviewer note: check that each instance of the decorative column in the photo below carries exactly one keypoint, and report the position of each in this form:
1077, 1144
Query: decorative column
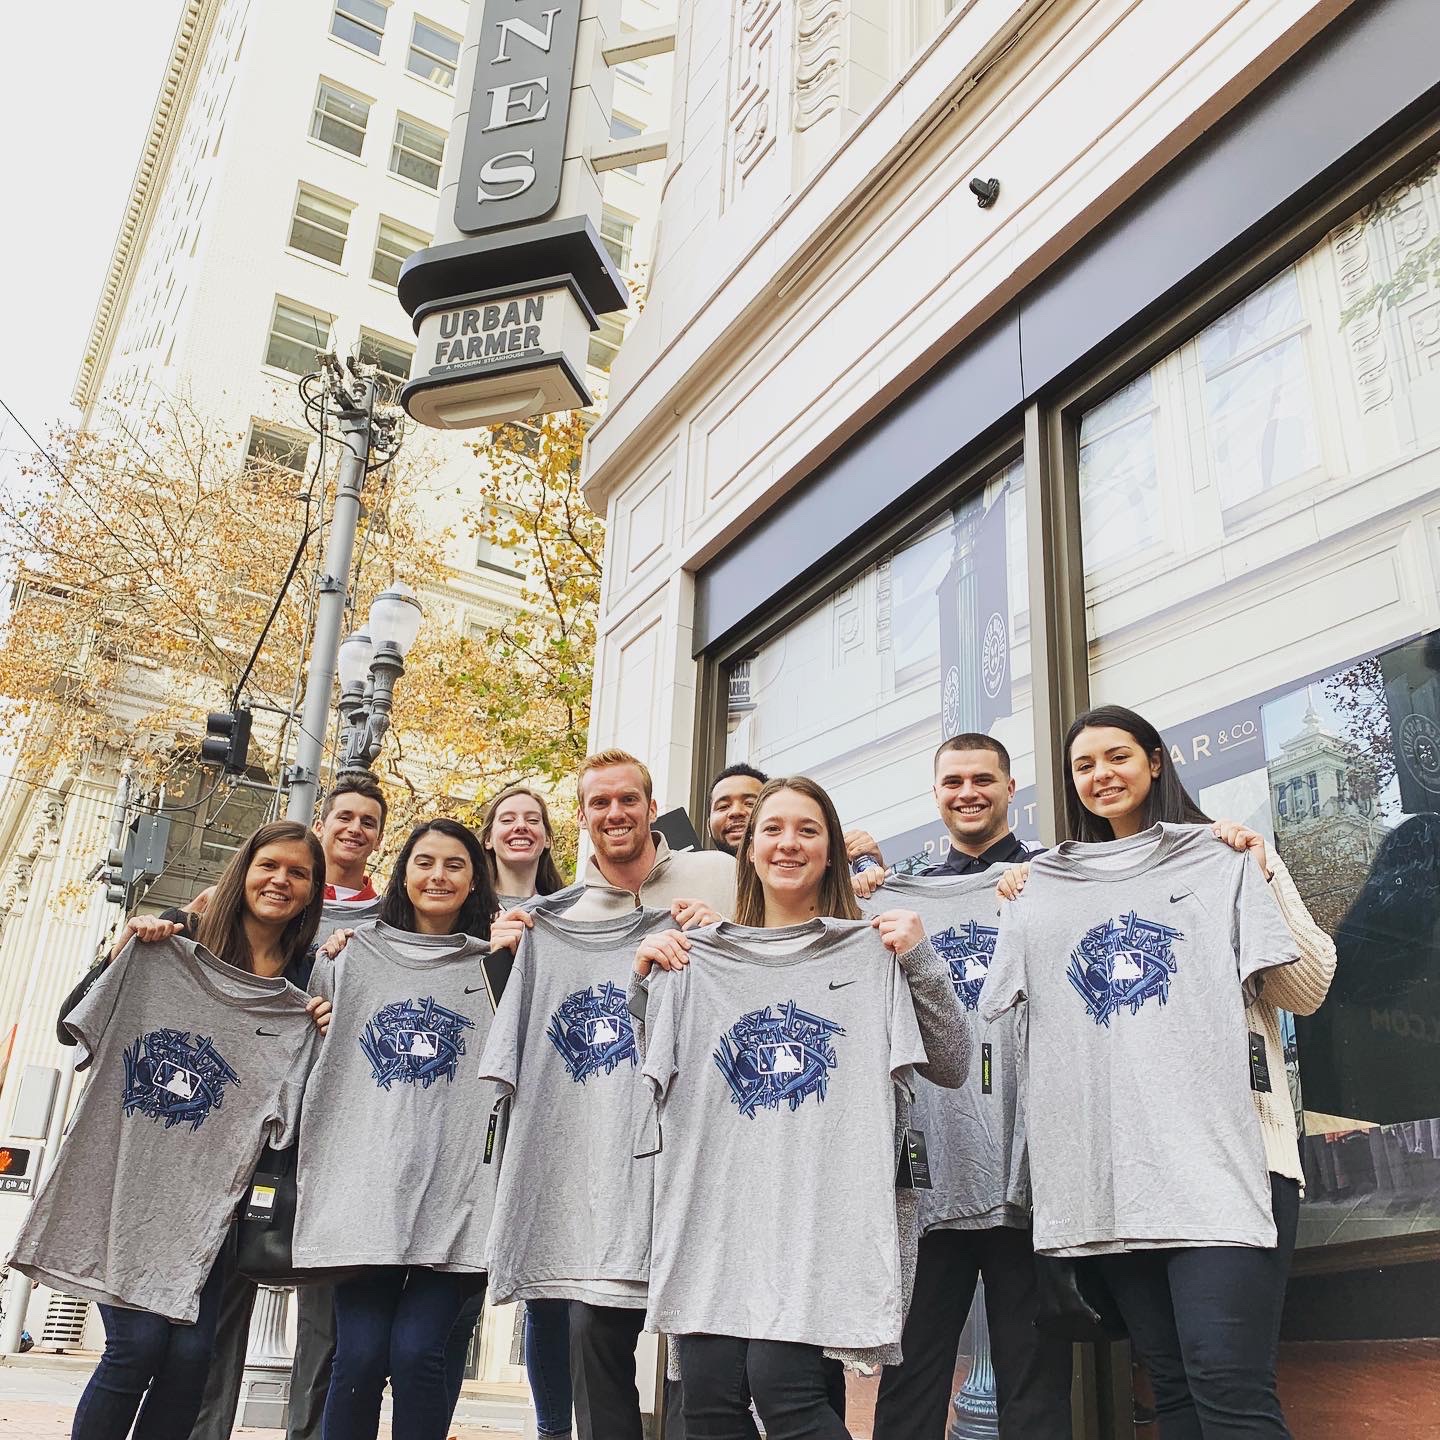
975, 1416
265, 1389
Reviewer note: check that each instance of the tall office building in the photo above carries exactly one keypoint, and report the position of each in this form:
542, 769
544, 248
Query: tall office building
290, 167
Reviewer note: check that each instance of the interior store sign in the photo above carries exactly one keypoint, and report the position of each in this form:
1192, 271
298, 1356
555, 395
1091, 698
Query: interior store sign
514, 146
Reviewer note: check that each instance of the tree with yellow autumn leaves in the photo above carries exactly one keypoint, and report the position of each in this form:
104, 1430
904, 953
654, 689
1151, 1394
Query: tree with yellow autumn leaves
154, 568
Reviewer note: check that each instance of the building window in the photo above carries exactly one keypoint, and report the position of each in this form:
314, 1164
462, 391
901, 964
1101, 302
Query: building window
623, 128
361, 22
417, 152
434, 54
320, 225
1282, 803
605, 342
1259, 417
1313, 780
390, 357
394, 245
297, 335
926, 642
1119, 476
269, 445
617, 233
339, 119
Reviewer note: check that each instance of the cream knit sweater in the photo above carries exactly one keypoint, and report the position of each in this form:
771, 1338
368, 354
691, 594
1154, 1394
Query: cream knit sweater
1299, 988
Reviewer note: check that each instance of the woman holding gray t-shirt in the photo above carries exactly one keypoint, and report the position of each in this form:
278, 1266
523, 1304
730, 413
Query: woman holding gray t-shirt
393, 1181
262, 919
791, 1261
1205, 1320
519, 853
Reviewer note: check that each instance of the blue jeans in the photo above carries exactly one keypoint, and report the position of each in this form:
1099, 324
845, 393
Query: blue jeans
151, 1359
547, 1364
457, 1347
393, 1323
1205, 1322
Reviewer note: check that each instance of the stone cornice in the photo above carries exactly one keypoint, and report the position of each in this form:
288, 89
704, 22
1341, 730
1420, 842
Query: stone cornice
187, 53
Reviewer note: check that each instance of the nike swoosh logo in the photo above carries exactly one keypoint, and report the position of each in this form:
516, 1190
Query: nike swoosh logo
1176, 899
840, 984
269, 1034
473, 989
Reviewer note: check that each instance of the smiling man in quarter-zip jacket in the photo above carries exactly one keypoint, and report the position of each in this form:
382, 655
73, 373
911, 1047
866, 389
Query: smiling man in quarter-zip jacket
630, 866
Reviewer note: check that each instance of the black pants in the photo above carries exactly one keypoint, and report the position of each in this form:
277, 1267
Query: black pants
314, 1356
1032, 1373
793, 1386
227, 1362
1205, 1322
602, 1371
309, 1374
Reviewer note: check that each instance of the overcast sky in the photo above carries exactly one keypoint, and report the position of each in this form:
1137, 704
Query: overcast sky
77, 85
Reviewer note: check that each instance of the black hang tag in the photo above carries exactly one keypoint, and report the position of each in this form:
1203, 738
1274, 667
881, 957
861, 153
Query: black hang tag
260, 1199
913, 1172
1259, 1065
490, 1135
987, 1076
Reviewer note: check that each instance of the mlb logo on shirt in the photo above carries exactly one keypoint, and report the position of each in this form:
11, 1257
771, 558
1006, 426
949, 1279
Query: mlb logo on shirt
420, 1044
601, 1032
781, 1060
177, 1080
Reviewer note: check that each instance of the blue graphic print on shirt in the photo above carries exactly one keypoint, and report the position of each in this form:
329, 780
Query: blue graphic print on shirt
968, 952
1123, 962
414, 1042
767, 1059
169, 1078
593, 1032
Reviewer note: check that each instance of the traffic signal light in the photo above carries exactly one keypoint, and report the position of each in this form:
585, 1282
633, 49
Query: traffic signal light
142, 857
227, 740
112, 877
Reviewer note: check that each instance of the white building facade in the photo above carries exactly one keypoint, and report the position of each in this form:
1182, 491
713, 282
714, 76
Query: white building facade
292, 164
895, 452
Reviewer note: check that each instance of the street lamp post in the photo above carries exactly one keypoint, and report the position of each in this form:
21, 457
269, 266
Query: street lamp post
370, 662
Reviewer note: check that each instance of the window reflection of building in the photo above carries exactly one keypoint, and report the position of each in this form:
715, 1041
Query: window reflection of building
1257, 508
929, 640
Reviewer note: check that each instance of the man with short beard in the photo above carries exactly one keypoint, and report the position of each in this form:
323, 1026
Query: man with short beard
630, 866
732, 797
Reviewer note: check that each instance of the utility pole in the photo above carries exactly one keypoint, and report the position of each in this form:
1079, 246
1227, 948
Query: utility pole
357, 414
17, 1299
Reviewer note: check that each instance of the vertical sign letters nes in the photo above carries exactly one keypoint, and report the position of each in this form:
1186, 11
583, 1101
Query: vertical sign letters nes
515, 133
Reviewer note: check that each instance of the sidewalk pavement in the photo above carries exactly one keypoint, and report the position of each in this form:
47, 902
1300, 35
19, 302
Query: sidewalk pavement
38, 1394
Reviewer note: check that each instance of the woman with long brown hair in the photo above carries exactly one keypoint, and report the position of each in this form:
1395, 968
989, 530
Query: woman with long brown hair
863, 1004
519, 840
261, 919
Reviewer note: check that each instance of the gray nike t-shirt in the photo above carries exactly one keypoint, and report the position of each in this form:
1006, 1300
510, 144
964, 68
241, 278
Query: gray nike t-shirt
194, 1067
1134, 956
392, 1164
572, 1213
774, 1056
974, 1135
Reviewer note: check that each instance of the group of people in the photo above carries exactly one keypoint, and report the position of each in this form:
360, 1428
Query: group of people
769, 1099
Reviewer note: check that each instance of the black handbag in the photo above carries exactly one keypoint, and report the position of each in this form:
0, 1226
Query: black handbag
265, 1227
1074, 1303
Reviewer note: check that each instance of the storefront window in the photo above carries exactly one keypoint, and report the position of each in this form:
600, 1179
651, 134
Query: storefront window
1263, 581
931, 640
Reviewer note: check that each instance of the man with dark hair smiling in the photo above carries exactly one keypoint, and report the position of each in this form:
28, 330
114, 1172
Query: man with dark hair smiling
350, 826
973, 791
732, 798
975, 1220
